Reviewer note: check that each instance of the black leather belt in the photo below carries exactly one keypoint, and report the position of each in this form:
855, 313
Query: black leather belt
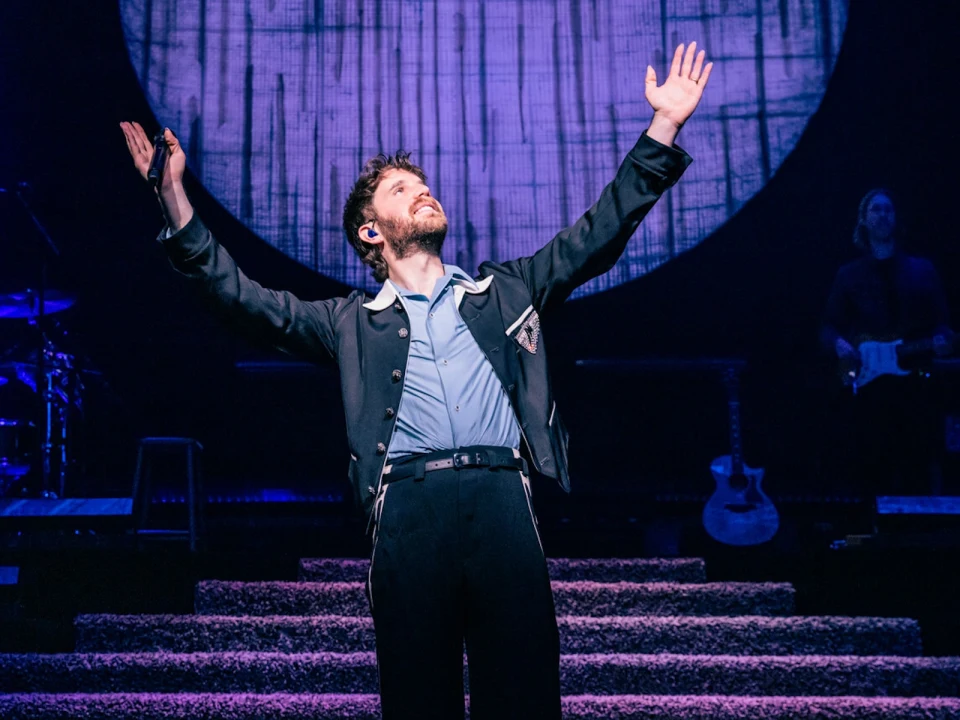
473, 457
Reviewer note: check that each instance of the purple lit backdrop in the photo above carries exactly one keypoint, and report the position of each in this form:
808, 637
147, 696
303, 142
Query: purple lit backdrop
519, 110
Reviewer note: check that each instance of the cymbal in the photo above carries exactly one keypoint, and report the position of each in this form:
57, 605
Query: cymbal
25, 304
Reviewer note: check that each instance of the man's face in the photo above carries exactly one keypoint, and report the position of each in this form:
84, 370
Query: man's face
407, 216
880, 218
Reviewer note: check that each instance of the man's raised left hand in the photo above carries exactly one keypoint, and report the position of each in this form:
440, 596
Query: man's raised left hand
674, 102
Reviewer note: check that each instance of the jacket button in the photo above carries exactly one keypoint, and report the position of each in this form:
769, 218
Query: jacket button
391, 412
381, 448
402, 332
398, 306
397, 375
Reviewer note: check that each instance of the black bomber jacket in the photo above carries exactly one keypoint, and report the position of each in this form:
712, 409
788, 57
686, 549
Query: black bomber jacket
502, 311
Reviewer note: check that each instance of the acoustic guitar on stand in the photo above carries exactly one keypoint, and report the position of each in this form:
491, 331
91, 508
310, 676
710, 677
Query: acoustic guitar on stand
738, 513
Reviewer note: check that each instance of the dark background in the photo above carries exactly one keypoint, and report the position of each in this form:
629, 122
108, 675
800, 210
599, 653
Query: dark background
755, 289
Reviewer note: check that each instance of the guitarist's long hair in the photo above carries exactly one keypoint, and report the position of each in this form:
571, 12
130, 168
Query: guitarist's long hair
860, 239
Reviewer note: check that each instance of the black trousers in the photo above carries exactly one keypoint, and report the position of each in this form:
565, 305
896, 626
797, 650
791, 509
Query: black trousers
457, 558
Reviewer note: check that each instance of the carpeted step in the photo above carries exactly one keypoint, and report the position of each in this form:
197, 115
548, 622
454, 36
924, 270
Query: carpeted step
367, 707
580, 674
637, 570
215, 597
747, 635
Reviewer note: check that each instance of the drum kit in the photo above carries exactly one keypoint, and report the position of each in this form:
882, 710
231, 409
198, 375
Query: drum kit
41, 385
38, 441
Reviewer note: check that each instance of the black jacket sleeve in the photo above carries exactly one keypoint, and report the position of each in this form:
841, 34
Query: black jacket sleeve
594, 243
275, 317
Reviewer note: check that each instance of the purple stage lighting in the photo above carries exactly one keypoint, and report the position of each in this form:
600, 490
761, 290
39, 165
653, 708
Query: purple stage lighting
518, 110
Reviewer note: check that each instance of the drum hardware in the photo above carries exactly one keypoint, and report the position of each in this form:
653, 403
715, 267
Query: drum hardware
26, 304
16, 444
61, 392
40, 365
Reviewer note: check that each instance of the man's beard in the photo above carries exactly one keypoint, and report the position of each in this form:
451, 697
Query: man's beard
882, 248
407, 238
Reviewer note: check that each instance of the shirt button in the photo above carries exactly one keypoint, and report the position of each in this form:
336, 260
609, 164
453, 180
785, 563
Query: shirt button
431, 314
445, 362
381, 448
397, 375
391, 412
457, 408
402, 332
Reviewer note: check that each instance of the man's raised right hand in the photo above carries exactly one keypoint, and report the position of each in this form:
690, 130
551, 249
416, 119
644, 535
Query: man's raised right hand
141, 150
173, 198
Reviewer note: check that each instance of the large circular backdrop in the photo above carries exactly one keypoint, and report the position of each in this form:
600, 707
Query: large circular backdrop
520, 111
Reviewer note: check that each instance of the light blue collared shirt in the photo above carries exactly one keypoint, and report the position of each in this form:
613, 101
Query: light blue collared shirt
451, 395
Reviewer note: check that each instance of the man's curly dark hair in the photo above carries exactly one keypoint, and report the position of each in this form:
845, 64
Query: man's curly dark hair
357, 210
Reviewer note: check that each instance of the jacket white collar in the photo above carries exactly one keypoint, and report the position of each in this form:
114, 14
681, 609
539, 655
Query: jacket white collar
462, 282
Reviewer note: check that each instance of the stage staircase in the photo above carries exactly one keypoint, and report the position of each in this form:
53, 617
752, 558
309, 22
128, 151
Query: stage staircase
640, 638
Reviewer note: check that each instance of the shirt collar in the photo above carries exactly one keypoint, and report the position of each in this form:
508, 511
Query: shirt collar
462, 282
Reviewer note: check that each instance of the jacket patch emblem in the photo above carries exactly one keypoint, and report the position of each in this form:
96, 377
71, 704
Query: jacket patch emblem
528, 336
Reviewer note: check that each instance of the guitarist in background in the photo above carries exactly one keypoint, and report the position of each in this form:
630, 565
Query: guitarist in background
886, 296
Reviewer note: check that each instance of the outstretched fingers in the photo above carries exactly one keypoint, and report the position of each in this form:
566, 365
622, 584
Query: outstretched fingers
702, 82
677, 60
128, 137
146, 147
698, 66
133, 141
688, 60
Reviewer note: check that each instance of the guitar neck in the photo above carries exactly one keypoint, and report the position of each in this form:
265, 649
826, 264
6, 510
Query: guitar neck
915, 347
736, 442
732, 381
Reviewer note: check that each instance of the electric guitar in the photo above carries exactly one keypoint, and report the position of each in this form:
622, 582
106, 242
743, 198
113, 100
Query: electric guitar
883, 358
738, 513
